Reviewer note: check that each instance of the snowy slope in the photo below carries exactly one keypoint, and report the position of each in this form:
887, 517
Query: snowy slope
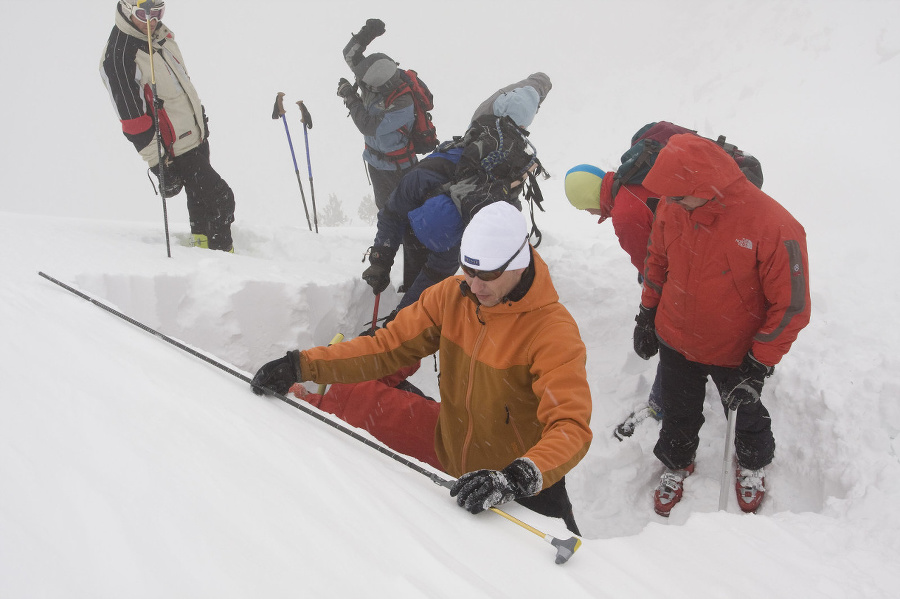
130, 468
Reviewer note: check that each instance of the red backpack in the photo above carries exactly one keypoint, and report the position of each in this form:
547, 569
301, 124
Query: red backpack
423, 137
651, 138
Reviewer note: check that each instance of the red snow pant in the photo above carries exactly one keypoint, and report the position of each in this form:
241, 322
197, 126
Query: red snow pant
402, 420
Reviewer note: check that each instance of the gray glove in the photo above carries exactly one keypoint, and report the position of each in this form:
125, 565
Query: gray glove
483, 489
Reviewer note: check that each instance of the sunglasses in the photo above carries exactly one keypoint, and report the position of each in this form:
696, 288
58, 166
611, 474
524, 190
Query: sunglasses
145, 15
491, 275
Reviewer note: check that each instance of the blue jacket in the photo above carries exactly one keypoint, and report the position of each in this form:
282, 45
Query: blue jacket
414, 189
411, 198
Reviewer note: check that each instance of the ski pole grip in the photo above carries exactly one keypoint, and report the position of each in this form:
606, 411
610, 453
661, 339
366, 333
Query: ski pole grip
278, 110
305, 117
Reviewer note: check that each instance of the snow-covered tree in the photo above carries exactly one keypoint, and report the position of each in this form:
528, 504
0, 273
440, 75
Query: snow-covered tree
332, 215
367, 211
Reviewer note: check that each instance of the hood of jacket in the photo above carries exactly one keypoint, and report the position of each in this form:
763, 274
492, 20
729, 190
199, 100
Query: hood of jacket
690, 165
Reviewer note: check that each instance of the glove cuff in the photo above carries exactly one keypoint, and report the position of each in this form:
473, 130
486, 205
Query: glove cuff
645, 316
758, 367
293, 358
363, 37
525, 477
382, 256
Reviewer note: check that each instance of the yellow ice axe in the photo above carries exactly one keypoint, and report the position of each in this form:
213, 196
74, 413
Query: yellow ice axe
564, 548
336, 339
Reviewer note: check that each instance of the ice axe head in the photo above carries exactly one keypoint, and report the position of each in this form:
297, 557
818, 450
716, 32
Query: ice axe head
565, 549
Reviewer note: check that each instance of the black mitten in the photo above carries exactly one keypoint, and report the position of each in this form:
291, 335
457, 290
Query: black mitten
278, 375
378, 275
646, 345
372, 29
173, 182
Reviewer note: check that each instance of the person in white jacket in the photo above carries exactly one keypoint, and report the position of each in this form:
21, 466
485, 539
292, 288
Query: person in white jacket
126, 71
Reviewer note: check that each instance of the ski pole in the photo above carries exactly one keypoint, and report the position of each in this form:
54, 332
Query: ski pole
306, 119
277, 112
564, 548
727, 461
375, 315
336, 339
147, 5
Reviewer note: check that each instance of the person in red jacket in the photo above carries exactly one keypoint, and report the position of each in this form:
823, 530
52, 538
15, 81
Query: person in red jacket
725, 294
589, 188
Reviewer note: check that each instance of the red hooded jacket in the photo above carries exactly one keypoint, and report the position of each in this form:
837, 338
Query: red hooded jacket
729, 276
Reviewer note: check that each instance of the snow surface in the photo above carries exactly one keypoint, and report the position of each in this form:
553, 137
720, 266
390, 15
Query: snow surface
129, 468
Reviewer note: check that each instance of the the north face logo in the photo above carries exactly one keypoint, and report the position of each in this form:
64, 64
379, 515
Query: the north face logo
745, 243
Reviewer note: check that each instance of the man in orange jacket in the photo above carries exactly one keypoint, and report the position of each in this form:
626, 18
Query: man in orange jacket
515, 404
725, 294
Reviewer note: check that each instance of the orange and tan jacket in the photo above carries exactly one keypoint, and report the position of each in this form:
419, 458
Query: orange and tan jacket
513, 380
730, 276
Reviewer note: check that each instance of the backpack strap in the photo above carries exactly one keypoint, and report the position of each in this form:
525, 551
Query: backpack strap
403, 155
650, 148
534, 197
399, 157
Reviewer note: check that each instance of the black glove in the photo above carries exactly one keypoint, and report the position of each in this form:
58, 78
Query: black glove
278, 375
173, 182
646, 345
347, 92
345, 89
744, 384
482, 489
390, 318
378, 275
372, 29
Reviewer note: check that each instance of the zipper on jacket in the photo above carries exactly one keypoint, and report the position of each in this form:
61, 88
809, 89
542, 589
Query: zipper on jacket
470, 424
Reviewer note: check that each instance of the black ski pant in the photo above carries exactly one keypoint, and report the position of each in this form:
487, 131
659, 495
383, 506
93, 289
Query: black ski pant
683, 390
423, 268
210, 201
384, 182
